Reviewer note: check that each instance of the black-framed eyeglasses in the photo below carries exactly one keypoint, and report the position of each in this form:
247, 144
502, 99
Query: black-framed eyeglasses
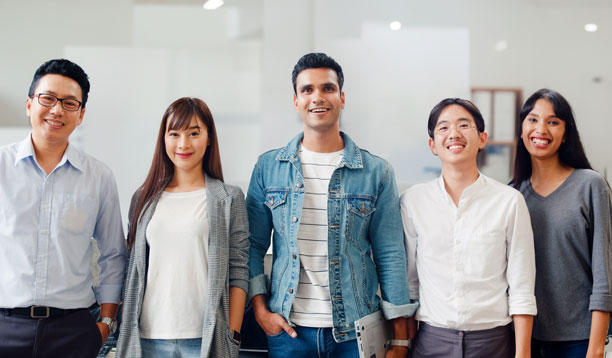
49, 100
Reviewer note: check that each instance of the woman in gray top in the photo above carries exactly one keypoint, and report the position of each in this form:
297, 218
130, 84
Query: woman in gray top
569, 204
188, 234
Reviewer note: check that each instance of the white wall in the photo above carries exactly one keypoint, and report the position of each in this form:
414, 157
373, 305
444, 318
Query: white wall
239, 58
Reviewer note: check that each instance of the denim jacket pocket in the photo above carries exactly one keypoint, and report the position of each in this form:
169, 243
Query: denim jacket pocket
275, 199
360, 209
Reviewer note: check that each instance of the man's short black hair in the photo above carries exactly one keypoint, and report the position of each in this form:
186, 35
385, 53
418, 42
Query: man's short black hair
65, 68
316, 60
467, 105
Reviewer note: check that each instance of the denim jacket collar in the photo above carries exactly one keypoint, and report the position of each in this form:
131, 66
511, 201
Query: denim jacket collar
351, 159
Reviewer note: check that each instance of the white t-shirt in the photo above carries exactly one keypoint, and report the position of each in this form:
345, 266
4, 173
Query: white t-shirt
312, 304
471, 266
177, 277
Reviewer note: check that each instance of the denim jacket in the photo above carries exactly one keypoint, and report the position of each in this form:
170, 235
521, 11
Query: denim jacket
365, 237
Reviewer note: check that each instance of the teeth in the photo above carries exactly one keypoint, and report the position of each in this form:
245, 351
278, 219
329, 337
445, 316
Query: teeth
540, 141
318, 110
453, 147
54, 123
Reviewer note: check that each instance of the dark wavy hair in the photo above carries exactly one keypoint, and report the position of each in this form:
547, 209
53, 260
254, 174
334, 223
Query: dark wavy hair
571, 152
179, 115
316, 60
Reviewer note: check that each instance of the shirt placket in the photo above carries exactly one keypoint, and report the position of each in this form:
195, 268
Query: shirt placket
459, 256
43, 235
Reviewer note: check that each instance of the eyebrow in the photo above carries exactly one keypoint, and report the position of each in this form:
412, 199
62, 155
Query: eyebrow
56, 95
462, 119
332, 84
535, 115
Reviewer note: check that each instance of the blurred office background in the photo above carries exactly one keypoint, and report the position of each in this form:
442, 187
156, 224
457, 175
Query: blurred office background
400, 57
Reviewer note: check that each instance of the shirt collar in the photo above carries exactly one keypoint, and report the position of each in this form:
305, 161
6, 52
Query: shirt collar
467, 192
351, 159
25, 149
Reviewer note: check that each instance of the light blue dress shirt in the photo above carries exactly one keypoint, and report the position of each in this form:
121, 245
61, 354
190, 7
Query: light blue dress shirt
46, 226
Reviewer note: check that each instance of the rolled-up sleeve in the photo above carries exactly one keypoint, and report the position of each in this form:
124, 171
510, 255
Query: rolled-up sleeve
389, 251
260, 224
110, 238
521, 260
239, 243
601, 264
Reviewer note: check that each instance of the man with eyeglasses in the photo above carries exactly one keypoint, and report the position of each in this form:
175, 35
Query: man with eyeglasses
54, 199
470, 248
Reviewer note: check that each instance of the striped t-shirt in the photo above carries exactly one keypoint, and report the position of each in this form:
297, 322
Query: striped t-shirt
312, 304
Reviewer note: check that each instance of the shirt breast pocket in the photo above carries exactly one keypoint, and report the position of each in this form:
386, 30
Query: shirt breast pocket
276, 200
360, 209
487, 255
77, 214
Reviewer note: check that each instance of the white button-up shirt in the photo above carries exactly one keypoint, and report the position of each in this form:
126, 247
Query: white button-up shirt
471, 266
46, 226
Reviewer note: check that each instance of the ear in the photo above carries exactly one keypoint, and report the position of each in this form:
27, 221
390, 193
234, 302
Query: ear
80, 120
483, 140
342, 100
295, 101
28, 105
432, 146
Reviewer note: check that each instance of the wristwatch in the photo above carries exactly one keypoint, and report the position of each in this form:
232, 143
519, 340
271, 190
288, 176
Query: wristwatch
401, 342
110, 322
235, 336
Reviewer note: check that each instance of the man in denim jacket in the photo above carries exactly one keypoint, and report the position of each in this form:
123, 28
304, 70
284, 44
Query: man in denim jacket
334, 209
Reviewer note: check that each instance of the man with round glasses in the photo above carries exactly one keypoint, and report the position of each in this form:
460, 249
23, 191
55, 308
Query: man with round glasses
470, 248
54, 200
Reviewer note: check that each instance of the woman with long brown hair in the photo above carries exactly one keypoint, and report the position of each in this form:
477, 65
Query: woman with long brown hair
187, 277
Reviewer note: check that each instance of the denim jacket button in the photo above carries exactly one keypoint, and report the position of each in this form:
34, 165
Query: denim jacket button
294, 256
291, 290
299, 185
295, 219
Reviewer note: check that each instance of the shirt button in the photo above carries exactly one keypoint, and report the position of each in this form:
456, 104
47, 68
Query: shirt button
460, 334
299, 185
291, 290
295, 219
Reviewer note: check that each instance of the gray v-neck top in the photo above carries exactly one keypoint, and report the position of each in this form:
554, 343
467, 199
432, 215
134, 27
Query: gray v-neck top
572, 237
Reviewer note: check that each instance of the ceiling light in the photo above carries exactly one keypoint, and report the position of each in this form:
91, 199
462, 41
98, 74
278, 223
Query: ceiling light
590, 27
212, 4
395, 25
501, 46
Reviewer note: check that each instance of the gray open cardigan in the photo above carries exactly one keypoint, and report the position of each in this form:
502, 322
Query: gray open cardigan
228, 255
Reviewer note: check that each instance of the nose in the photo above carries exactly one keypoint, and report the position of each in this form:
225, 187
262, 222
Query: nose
183, 141
541, 126
316, 96
454, 131
57, 108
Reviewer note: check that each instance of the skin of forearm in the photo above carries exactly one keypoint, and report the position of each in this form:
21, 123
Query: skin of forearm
237, 300
599, 331
523, 324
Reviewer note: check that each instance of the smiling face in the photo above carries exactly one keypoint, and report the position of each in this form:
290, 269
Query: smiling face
53, 125
319, 99
186, 147
456, 139
542, 132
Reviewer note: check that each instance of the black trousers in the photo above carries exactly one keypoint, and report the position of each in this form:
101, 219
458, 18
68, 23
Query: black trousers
74, 335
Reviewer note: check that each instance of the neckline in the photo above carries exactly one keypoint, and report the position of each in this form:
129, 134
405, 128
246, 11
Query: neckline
559, 188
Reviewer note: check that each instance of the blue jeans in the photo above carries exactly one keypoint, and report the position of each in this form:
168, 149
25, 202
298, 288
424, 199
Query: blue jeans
562, 349
310, 343
171, 348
